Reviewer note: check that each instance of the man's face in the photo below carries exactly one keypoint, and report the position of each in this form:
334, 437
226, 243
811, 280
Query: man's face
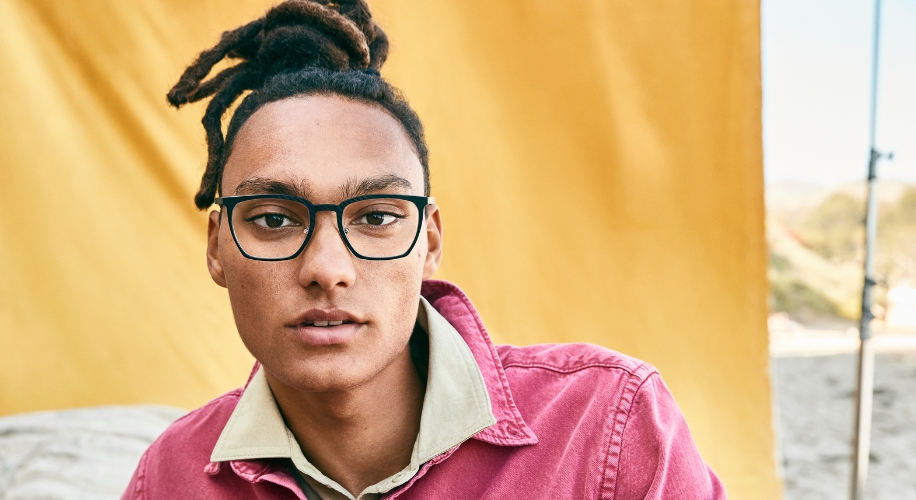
326, 149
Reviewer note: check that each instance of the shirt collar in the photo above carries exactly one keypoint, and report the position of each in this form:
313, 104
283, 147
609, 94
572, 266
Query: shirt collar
456, 309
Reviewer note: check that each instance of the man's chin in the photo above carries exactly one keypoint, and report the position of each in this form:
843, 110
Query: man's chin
325, 375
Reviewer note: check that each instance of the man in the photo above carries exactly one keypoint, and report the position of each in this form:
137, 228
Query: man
373, 380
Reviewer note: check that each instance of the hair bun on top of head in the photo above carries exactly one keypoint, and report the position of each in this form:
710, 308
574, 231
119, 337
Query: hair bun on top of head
292, 36
327, 45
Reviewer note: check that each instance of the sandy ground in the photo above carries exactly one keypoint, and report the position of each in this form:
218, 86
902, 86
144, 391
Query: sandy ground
90, 454
815, 408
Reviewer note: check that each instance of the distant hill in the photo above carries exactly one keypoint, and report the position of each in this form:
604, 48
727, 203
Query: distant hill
815, 237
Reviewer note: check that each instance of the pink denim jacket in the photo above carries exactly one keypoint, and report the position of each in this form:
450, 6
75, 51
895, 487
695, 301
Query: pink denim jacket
573, 421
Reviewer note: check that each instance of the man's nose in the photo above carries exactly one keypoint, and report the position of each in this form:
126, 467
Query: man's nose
326, 260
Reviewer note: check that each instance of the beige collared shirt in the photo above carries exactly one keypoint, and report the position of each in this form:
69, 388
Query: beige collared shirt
456, 407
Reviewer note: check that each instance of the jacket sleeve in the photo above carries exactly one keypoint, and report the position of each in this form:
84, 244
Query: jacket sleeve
658, 458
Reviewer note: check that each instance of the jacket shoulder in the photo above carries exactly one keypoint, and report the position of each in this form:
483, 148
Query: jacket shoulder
178, 457
193, 436
214, 413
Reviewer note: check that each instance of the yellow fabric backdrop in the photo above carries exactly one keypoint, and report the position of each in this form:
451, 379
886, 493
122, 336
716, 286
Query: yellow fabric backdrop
598, 165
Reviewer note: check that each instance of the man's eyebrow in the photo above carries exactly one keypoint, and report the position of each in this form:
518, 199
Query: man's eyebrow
369, 185
261, 185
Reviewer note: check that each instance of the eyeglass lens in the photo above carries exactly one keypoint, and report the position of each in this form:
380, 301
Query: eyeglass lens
272, 228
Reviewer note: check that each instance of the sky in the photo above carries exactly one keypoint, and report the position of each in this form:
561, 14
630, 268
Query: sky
816, 58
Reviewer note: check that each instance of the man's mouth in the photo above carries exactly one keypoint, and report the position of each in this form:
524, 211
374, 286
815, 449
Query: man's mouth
325, 318
322, 327
325, 323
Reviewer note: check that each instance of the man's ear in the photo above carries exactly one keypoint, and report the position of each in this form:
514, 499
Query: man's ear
213, 262
433, 242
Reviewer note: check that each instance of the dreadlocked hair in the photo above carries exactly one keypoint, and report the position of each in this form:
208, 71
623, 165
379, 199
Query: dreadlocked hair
300, 47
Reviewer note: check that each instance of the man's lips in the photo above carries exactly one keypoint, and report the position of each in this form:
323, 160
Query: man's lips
325, 318
319, 327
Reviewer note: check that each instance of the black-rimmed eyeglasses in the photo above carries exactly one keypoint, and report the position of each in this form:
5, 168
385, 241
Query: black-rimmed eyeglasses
277, 227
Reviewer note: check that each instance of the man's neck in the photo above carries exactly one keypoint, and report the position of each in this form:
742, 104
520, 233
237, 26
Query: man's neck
361, 436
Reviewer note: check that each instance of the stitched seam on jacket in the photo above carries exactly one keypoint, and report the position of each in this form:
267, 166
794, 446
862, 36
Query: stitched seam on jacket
233, 393
614, 439
141, 478
558, 369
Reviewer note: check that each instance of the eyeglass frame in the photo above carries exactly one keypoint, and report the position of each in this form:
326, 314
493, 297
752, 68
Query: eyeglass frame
229, 203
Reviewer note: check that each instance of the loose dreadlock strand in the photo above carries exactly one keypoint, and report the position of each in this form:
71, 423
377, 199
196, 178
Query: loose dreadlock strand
247, 47
191, 78
379, 50
213, 126
213, 85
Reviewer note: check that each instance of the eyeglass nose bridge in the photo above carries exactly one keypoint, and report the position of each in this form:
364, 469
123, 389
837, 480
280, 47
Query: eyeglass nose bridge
345, 230
338, 222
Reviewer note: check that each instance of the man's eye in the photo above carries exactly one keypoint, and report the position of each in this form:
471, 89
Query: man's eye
272, 220
378, 219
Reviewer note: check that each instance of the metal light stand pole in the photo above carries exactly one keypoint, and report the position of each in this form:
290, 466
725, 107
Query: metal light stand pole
862, 438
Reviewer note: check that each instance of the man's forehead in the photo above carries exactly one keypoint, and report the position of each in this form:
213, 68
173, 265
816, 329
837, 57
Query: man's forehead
323, 146
319, 124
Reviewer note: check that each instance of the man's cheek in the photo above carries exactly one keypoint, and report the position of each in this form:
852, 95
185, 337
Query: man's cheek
408, 279
252, 294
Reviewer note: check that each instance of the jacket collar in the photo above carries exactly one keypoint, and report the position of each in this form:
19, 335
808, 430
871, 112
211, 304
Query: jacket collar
510, 428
